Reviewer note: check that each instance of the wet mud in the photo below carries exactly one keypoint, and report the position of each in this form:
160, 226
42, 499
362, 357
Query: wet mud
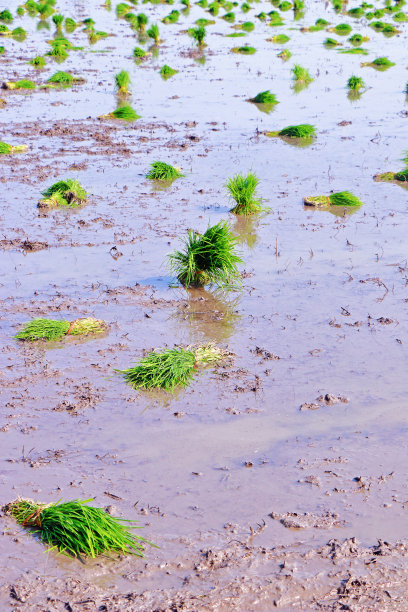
277, 479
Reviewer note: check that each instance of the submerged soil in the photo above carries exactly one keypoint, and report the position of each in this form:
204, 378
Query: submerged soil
277, 480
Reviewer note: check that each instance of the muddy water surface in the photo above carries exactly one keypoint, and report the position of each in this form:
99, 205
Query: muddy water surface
250, 499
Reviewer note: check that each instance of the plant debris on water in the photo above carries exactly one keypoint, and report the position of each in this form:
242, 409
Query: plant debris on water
209, 258
160, 171
171, 368
75, 528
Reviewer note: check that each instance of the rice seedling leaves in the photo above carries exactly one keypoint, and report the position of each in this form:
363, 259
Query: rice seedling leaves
160, 171
242, 189
341, 198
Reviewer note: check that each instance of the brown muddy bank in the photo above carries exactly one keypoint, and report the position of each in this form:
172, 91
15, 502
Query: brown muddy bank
277, 480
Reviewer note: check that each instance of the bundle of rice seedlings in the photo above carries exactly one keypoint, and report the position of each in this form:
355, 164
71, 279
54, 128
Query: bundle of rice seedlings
245, 7
208, 258
6, 16
204, 22
23, 84
58, 52
265, 97
171, 17
4, 30
63, 193
70, 25
357, 39
20, 11
380, 63
355, 51
38, 62
122, 9
122, 82
331, 42
19, 34
58, 21
279, 39
342, 198
356, 12
198, 34
75, 528
301, 74
7, 149
51, 330
160, 171
139, 53
141, 22
2, 49
355, 83
167, 72
285, 54
171, 368
153, 32
64, 79
304, 130
245, 50
125, 112
243, 190
214, 8
230, 17
45, 10
401, 176
342, 29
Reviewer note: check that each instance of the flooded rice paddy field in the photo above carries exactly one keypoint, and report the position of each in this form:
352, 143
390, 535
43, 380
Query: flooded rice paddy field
277, 480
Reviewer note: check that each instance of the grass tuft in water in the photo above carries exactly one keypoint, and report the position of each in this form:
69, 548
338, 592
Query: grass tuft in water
301, 74
341, 198
65, 79
75, 528
208, 258
171, 368
242, 189
160, 171
122, 82
355, 83
125, 112
198, 34
264, 97
167, 72
245, 50
285, 54
139, 53
153, 33
380, 63
22, 84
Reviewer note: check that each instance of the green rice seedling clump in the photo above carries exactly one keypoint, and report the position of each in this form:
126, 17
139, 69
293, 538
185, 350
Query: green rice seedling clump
230, 17
355, 51
171, 17
153, 33
304, 130
301, 74
245, 50
204, 22
122, 8
380, 63
402, 176
6, 16
167, 72
75, 528
331, 42
245, 7
285, 54
355, 83
43, 329
356, 12
20, 11
58, 21
2, 49
247, 26
170, 368
160, 171
357, 39
198, 34
126, 113
61, 78
208, 258
23, 84
342, 29
214, 8
280, 39
122, 82
4, 30
141, 22
38, 62
265, 97
342, 198
242, 189
19, 34
285, 6
138, 52
70, 190
70, 25
7, 149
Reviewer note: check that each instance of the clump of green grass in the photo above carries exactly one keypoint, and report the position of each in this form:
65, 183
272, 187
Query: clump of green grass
402, 176
38, 62
242, 189
301, 74
7, 149
6, 16
380, 63
355, 83
264, 97
304, 130
64, 79
245, 50
4, 30
153, 33
341, 198
2, 49
280, 39
122, 82
285, 6
160, 171
75, 528
52, 330
58, 52
139, 53
342, 29
19, 34
356, 12
167, 72
171, 368
285, 54
22, 84
198, 34
122, 9
208, 258
63, 193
